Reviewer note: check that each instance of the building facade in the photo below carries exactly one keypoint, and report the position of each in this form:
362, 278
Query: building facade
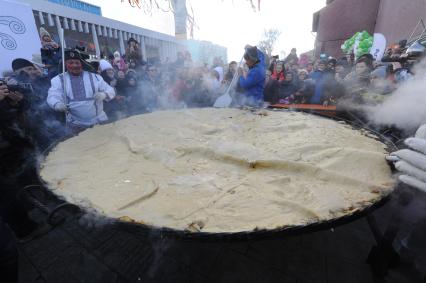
80, 5
205, 51
340, 19
397, 19
84, 26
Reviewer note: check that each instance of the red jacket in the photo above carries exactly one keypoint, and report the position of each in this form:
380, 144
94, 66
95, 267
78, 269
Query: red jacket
278, 76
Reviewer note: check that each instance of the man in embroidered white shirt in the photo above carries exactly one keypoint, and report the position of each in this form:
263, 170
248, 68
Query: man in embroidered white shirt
79, 94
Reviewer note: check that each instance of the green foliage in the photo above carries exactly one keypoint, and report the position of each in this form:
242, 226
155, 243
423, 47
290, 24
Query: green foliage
365, 42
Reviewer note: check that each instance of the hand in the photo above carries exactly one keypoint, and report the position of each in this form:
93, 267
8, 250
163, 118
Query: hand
396, 66
395, 56
60, 107
15, 96
421, 132
12, 81
113, 83
412, 162
100, 96
119, 97
4, 91
240, 71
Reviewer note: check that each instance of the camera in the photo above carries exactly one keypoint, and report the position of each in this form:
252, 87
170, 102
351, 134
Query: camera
23, 88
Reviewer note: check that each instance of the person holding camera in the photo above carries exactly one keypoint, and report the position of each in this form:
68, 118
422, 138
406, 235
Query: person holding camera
29, 73
43, 124
13, 97
50, 52
16, 163
16, 159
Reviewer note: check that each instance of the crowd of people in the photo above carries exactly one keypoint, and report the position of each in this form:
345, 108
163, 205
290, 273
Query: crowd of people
327, 80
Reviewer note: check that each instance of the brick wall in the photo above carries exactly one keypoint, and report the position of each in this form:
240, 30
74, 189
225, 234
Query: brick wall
340, 20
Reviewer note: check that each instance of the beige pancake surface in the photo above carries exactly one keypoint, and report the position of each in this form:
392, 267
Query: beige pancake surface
221, 170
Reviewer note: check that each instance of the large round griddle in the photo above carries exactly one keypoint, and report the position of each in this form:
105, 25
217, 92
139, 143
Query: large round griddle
144, 230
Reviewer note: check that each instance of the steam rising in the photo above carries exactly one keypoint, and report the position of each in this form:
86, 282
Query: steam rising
406, 107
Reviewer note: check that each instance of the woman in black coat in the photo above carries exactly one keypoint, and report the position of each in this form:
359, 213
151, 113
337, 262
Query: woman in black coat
287, 88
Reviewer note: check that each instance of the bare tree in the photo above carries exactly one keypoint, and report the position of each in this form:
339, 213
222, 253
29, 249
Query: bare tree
253, 6
184, 20
181, 18
268, 41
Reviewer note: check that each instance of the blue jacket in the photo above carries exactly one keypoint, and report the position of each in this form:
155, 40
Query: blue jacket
319, 77
253, 85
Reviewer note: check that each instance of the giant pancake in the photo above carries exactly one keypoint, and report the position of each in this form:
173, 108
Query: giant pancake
221, 170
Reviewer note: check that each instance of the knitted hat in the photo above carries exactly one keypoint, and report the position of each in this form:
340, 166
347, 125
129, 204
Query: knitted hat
366, 58
342, 62
72, 55
104, 65
332, 60
43, 32
323, 61
251, 53
303, 71
131, 40
117, 54
131, 73
20, 63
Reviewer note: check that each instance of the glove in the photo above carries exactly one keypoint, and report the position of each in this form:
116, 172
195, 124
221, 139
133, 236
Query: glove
100, 96
412, 162
421, 132
60, 106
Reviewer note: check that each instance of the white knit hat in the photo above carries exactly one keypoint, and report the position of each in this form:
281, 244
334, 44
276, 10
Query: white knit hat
104, 65
43, 32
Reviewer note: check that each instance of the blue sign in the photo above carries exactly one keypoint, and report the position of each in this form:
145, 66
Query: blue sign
79, 5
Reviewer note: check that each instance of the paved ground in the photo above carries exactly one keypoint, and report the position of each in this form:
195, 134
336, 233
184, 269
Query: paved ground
72, 253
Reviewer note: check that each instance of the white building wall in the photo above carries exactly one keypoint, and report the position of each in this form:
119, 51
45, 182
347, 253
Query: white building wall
100, 26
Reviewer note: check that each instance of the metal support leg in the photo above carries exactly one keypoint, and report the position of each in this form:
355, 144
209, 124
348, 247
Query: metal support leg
383, 256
